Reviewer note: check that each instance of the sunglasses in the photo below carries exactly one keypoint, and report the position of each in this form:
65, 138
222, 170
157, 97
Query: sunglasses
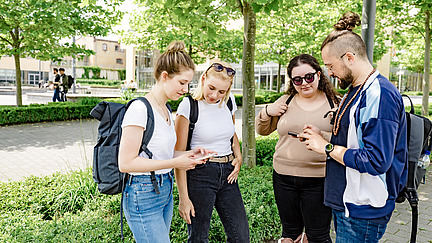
219, 68
309, 78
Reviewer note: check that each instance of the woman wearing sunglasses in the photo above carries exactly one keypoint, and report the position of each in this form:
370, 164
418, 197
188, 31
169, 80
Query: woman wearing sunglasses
213, 184
298, 175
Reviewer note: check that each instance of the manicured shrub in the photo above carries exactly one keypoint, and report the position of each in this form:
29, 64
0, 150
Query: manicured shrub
265, 148
57, 111
68, 208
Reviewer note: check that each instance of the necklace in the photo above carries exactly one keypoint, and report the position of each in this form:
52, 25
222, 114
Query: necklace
163, 111
339, 118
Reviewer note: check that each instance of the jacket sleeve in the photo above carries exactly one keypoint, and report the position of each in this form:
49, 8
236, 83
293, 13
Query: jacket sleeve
379, 136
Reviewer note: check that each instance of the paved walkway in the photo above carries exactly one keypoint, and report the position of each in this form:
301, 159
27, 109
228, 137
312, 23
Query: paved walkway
44, 148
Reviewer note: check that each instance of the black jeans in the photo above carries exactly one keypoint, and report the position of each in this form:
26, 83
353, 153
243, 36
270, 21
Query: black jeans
63, 95
300, 202
208, 188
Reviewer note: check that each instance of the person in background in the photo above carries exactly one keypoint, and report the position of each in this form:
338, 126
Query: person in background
298, 174
367, 154
64, 79
56, 85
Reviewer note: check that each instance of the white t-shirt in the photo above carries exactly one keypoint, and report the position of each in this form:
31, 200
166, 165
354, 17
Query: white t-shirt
214, 127
164, 137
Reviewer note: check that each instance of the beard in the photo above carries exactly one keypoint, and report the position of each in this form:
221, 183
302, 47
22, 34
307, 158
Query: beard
347, 79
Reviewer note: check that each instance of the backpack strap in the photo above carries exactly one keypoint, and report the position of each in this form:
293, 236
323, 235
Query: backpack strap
193, 117
148, 133
230, 104
330, 101
289, 99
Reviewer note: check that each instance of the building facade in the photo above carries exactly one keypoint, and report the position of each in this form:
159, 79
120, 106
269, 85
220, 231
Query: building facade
109, 56
32, 70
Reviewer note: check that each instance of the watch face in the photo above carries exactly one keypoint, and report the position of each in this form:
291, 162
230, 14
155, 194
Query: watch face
329, 147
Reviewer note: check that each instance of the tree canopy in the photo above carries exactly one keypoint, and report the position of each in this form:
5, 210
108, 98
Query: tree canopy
35, 28
201, 25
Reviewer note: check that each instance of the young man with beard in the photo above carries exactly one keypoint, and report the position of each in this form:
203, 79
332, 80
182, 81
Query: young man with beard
367, 154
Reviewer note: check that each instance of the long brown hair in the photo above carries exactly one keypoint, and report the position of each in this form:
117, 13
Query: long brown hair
324, 84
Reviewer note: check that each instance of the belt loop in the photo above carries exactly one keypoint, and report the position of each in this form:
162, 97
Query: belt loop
130, 179
161, 179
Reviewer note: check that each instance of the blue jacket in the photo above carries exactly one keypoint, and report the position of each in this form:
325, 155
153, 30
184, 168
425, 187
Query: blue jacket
376, 160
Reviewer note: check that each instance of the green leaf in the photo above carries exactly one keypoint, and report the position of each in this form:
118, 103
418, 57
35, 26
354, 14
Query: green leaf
274, 5
257, 7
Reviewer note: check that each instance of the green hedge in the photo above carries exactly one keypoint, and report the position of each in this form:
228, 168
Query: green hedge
57, 111
99, 82
68, 208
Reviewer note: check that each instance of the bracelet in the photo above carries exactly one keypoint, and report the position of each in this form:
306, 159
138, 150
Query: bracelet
266, 111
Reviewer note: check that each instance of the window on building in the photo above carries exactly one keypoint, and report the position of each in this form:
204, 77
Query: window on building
117, 48
104, 47
119, 61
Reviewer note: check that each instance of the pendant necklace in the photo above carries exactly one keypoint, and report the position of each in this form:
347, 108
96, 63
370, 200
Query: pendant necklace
163, 111
339, 117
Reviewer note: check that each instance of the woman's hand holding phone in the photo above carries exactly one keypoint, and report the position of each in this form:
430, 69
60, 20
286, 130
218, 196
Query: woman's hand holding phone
295, 134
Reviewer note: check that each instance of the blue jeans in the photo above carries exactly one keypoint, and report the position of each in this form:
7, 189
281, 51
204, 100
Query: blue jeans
356, 230
208, 188
56, 95
300, 202
148, 214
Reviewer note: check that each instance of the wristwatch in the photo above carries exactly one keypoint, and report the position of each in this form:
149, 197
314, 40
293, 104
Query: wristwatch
328, 149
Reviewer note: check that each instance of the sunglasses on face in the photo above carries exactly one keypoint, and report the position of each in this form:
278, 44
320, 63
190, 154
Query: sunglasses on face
309, 78
219, 68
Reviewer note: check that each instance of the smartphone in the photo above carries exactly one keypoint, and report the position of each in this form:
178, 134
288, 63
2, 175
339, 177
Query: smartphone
293, 133
205, 156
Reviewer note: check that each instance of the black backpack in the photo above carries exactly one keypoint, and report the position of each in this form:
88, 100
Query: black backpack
70, 81
193, 117
419, 130
105, 155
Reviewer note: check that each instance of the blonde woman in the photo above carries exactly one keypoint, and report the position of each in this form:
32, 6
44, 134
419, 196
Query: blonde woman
147, 212
213, 184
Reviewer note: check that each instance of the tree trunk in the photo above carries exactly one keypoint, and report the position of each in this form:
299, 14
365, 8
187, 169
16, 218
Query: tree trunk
425, 101
248, 72
18, 79
279, 77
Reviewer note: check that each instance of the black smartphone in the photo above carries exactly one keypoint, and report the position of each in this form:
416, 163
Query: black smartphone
293, 133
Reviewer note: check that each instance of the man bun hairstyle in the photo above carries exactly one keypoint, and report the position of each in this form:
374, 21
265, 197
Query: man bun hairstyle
342, 39
348, 21
173, 60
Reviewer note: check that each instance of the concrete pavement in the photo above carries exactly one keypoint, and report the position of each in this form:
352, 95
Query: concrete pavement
44, 148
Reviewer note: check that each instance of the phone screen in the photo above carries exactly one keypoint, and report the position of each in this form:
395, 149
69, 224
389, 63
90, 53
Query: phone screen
205, 156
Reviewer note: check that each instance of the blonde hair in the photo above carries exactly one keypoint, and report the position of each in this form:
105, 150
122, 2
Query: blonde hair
198, 92
173, 60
